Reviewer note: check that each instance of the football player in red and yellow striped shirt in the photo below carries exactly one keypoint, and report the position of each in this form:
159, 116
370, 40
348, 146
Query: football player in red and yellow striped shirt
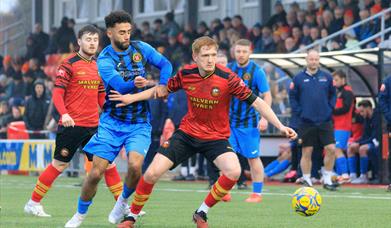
78, 95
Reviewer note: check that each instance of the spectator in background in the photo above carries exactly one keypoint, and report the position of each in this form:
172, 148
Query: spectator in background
8, 69
306, 35
291, 19
189, 30
351, 40
352, 5
40, 43
52, 45
136, 33
311, 7
295, 7
216, 26
174, 52
35, 69
290, 45
65, 37
16, 115
157, 29
28, 81
315, 34
348, 19
266, 45
301, 17
237, 24
327, 18
326, 46
5, 116
202, 29
255, 34
368, 143
278, 43
368, 4
4, 96
315, 112
145, 30
36, 109
338, 21
16, 90
170, 26
310, 19
364, 31
227, 23
49, 85
186, 48
331, 5
280, 15
375, 24
297, 36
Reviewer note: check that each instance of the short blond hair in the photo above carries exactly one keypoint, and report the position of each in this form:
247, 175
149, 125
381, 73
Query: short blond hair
203, 41
243, 42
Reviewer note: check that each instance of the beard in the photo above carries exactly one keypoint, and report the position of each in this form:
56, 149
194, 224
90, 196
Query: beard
122, 46
244, 62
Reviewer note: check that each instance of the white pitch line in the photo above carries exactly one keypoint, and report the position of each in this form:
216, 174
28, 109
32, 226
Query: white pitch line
383, 197
355, 195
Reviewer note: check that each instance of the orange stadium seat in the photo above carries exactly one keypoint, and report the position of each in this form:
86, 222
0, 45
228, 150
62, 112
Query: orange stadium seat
53, 59
16, 130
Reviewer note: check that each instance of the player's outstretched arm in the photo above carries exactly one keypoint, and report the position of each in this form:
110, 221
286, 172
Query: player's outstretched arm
262, 107
131, 98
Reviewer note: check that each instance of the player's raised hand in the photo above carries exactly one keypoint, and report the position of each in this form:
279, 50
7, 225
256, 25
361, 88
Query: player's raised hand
161, 91
140, 82
262, 125
67, 120
123, 99
289, 132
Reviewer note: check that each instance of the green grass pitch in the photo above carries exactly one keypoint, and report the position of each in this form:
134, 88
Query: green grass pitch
172, 205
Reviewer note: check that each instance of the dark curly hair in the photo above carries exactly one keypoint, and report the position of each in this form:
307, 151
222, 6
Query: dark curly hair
115, 17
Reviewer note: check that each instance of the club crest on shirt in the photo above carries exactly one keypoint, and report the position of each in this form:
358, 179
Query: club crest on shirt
61, 72
246, 76
215, 92
137, 57
64, 152
166, 144
191, 88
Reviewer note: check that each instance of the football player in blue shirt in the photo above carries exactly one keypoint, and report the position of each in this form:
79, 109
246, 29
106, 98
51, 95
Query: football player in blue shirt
244, 120
122, 68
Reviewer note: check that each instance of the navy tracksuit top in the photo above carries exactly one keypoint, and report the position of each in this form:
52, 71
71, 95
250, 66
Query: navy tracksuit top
313, 97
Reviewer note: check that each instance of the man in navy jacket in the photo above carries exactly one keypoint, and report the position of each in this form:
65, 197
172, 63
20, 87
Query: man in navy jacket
385, 107
312, 97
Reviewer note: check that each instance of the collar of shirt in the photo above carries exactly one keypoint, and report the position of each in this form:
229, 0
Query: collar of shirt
309, 73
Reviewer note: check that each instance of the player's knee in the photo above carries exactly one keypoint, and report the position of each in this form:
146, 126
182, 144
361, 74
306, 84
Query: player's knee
59, 165
233, 173
95, 174
151, 176
134, 167
363, 151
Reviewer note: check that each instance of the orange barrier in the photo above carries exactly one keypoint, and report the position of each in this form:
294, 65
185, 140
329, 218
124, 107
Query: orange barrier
385, 146
17, 130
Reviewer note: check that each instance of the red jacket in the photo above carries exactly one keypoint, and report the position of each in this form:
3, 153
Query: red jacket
343, 110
